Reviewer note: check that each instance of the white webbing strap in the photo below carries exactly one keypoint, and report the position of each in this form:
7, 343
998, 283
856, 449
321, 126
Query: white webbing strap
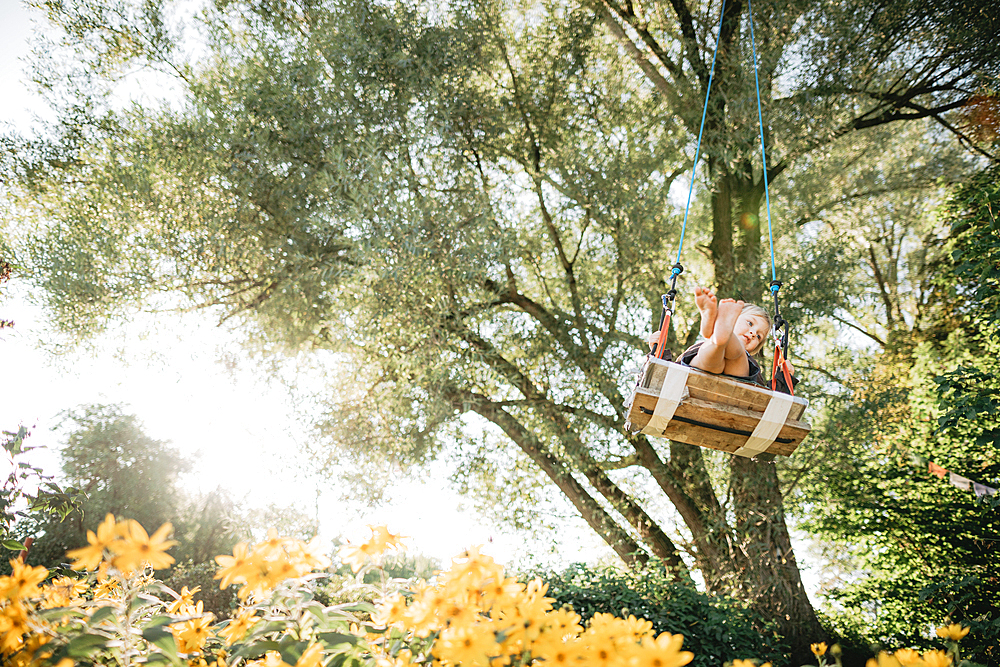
670, 397
769, 425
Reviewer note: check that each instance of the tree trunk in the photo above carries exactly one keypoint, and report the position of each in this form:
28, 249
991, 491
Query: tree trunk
768, 574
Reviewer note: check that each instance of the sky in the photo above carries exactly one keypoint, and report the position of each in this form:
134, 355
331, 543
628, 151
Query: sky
173, 372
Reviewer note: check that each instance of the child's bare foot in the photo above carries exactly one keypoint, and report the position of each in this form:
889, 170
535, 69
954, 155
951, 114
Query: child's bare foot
707, 306
728, 313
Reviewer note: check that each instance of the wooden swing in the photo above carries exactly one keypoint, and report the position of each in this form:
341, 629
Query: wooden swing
688, 405
681, 403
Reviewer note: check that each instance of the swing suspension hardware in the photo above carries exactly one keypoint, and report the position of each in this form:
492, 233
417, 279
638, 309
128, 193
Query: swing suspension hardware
668, 310
780, 333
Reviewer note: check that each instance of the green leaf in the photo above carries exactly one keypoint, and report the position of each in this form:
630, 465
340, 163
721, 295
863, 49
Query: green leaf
334, 638
58, 613
13, 545
290, 654
160, 637
256, 649
158, 620
365, 607
85, 645
101, 615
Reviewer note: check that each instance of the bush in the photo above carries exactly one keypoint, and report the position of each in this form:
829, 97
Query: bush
717, 629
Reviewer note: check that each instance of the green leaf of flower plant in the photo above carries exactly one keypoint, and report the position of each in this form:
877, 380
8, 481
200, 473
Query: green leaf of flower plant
256, 649
334, 638
160, 637
101, 615
85, 645
159, 620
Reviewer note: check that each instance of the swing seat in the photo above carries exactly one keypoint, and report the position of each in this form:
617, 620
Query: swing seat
716, 411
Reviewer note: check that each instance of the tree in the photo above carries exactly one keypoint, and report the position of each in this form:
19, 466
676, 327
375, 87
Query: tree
121, 471
118, 469
28, 493
472, 210
925, 551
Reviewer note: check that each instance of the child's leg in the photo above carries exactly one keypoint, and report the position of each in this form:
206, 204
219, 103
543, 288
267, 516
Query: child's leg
708, 307
723, 352
735, 354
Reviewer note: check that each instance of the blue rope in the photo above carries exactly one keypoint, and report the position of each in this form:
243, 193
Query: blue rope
680, 244
775, 286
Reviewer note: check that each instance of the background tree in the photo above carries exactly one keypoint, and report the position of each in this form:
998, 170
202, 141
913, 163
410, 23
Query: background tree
923, 549
119, 469
472, 211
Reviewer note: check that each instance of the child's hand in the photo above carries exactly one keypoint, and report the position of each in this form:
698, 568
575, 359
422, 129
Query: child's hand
653, 339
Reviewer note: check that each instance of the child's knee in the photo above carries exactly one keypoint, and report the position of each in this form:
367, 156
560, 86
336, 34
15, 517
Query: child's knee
737, 367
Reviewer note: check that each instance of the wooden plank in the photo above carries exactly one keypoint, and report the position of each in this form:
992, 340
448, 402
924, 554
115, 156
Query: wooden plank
726, 442
714, 389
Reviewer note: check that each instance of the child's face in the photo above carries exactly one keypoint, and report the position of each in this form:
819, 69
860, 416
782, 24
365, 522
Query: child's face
752, 329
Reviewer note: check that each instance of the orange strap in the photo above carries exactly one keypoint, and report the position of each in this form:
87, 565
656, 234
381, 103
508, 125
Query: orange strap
661, 344
779, 362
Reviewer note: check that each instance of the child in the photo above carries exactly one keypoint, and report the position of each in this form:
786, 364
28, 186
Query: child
733, 332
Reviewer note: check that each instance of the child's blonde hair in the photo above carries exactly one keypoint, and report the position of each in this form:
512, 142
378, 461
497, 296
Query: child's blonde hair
753, 309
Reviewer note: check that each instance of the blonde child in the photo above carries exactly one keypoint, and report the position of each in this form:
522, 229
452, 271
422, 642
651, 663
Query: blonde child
734, 331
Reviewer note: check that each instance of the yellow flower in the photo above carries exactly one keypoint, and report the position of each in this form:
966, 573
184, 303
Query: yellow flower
282, 569
382, 540
271, 659
310, 554
109, 589
403, 659
665, 651
191, 634
559, 654
501, 591
23, 581
390, 610
31, 653
564, 622
311, 657
184, 601
637, 628
13, 625
89, 557
470, 645
356, 557
818, 649
238, 626
137, 547
954, 632
937, 659
908, 657
884, 660
600, 652
273, 546
234, 567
